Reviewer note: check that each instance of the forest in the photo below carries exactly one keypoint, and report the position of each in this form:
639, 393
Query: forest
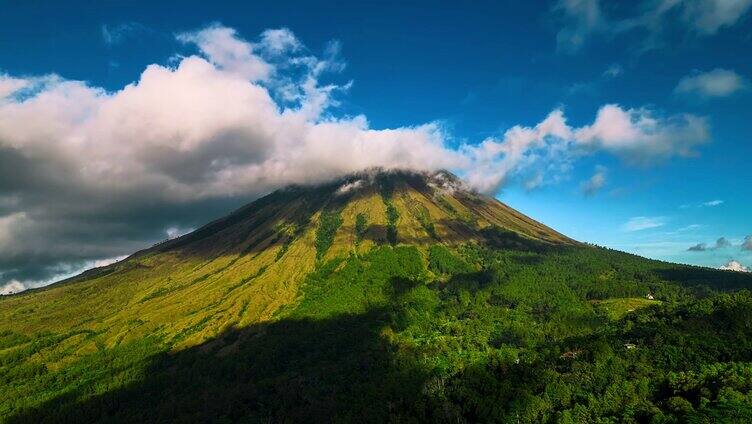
402, 334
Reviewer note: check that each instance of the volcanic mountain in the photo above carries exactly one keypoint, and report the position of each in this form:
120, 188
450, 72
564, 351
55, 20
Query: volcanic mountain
378, 296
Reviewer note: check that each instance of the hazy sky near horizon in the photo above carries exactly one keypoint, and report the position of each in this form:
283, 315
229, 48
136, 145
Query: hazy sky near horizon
625, 125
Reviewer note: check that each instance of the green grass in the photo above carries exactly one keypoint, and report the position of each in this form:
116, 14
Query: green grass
616, 309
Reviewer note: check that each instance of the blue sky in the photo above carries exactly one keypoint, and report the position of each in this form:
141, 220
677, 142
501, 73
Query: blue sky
680, 70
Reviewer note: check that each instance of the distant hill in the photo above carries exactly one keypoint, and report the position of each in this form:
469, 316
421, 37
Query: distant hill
381, 296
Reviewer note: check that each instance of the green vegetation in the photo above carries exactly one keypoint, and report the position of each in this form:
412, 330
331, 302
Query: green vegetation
616, 309
361, 226
442, 261
392, 215
496, 325
329, 222
425, 222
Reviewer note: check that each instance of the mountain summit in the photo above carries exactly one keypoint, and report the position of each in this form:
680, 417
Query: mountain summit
380, 296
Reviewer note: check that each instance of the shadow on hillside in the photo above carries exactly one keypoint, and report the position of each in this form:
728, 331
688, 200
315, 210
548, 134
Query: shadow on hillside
470, 281
378, 234
499, 238
292, 370
691, 276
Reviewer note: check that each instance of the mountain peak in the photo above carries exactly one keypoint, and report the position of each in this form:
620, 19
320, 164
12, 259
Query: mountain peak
394, 205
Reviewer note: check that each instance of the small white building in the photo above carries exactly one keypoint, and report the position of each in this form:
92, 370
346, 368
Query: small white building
650, 296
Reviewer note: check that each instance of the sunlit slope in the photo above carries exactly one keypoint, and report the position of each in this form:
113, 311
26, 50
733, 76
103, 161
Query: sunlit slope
377, 297
240, 269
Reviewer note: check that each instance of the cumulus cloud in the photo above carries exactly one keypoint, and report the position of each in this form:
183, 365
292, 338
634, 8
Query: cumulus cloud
715, 83
87, 173
224, 48
640, 136
585, 19
747, 243
734, 265
594, 183
639, 223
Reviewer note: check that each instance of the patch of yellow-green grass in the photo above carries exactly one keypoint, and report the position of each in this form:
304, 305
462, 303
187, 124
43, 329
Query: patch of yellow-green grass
617, 308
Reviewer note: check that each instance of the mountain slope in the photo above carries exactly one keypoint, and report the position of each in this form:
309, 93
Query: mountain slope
381, 296
242, 268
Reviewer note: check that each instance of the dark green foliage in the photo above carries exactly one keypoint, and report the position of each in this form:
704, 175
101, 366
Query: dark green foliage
442, 261
489, 335
361, 226
387, 186
329, 222
10, 339
391, 227
446, 205
425, 222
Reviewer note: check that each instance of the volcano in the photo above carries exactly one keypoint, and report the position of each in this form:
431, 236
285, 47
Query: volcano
379, 296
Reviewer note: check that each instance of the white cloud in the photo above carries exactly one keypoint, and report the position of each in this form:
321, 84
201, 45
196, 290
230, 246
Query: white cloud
10, 85
708, 16
349, 187
639, 223
642, 137
280, 41
59, 272
100, 173
708, 204
227, 51
715, 83
175, 232
638, 136
734, 265
585, 19
594, 183
13, 286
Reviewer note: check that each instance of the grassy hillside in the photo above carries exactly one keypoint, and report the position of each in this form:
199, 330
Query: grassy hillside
382, 297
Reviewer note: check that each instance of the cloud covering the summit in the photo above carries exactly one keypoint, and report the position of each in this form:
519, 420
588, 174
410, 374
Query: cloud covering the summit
89, 174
